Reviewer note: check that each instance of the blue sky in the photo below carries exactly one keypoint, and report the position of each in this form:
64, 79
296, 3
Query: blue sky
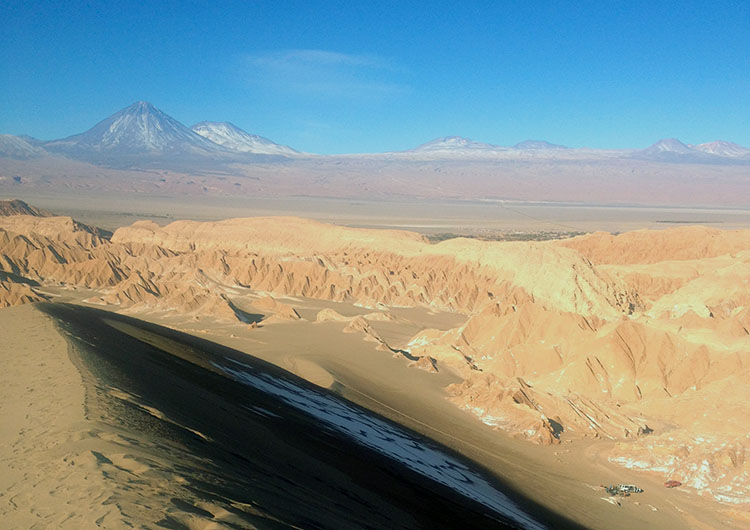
337, 77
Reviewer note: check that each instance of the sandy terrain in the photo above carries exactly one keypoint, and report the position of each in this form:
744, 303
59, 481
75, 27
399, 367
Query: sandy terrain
63, 462
565, 478
75, 494
48, 472
624, 357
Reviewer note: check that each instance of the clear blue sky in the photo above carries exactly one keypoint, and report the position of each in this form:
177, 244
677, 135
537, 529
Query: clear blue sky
335, 77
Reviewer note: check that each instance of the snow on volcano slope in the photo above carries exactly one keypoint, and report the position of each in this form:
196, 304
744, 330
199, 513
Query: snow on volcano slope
232, 137
138, 129
724, 149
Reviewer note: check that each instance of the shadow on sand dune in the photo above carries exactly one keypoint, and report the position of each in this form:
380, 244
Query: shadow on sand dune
215, 435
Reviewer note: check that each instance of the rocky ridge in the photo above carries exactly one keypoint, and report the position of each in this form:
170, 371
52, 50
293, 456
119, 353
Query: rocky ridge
18, 207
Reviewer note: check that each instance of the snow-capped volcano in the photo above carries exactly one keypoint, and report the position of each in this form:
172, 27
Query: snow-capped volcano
673, 150
454, 143
669, 145
233, 138
723, 148
138, 129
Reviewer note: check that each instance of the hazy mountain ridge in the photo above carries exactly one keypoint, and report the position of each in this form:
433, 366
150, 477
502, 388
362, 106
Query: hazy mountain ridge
460, 144
538, 144
18, 148
142, 131
724, 149
454, 143
670, 150
673, 150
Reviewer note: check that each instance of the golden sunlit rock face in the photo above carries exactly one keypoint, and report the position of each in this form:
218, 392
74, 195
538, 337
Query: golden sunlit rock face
641, 338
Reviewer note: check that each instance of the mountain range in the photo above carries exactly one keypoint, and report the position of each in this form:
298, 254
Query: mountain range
673, 150
143, 134
457, 144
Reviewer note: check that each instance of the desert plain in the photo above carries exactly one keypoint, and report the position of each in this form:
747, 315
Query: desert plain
556, 365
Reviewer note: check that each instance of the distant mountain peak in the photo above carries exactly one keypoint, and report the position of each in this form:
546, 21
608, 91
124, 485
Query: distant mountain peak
18, 147
453, 140
452, 143
669, 145
537, 144
231, 137
673, 150
723, 148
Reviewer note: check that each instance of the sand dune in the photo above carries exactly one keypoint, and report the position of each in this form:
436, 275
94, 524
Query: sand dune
49, 475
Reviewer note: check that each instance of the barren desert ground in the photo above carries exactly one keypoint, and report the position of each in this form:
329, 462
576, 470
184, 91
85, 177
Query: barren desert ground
437, 216
554, 366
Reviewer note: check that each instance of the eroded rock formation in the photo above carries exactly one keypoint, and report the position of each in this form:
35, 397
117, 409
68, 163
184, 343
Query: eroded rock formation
642, 338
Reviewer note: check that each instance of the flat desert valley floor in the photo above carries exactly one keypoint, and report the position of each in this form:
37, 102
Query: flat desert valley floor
458, 217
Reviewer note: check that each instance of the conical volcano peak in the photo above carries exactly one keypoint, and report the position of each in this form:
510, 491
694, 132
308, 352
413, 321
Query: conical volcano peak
140, 128
141, 107
142, 104
670, 145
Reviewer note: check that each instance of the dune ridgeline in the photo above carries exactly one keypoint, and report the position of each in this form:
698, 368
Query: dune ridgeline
641, 339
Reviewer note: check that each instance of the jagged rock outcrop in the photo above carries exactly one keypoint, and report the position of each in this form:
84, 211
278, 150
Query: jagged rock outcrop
329, 315
17, 291
19, 207
359, 325
541, 416
278, 311
306, 258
